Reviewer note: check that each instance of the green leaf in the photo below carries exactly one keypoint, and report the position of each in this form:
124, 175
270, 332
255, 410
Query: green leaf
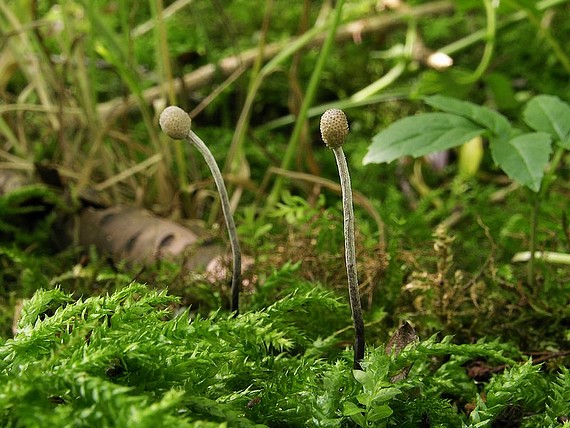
379, 412
501, 88
550, 114
354, 412
364, 378
386, 394
524, 157
484, 116
452, 82
349, 409
419, 135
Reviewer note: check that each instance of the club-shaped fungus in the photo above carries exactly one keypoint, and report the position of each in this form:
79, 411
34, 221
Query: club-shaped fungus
176, 123
334, 129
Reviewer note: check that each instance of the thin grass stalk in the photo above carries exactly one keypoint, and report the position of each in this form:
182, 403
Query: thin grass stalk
114, 52
316, 76
30, 57
236, 146
165, 70
235, 153
543, 30
535, 212
242, 126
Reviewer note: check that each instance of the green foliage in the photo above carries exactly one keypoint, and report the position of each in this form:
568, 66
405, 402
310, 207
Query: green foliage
549, 114
557, 403
522, 156
125, 359
138, 357
26, 214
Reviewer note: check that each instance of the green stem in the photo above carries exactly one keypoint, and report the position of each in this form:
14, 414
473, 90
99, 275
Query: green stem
307, 101
532, 241
544, 31
490, 42
350, 256
165, 69
537, 198
226, 210
382, 83
236, 147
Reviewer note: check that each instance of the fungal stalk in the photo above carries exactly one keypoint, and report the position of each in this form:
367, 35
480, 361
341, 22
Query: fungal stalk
334, 129
176, 123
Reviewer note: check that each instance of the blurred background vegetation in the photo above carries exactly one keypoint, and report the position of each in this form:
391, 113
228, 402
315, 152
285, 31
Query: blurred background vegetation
82, 84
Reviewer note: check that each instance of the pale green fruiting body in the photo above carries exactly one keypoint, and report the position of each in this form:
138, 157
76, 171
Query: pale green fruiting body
175, 122
334, 129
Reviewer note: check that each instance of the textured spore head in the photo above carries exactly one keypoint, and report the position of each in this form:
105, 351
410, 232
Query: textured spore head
334, 127
175, 122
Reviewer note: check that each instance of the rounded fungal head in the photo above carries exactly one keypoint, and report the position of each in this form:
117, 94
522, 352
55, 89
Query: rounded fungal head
334, 127
175, 122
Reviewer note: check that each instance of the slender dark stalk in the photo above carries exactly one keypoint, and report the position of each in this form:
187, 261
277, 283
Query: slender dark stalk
334, 129
350, 256
176, 123
534, 212
226, 210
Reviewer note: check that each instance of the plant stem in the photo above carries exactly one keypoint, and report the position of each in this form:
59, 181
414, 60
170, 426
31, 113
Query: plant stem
226, 210
165, 70
535, 209
532, 240
236, 147
544, 31
489, 42
350, 256
307, 101
386, 80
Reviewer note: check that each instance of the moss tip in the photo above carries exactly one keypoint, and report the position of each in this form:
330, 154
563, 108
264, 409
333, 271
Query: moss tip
334, 127
175, 122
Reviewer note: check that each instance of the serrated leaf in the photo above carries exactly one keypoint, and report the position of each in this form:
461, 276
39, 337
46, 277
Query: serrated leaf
524, 157
419, 135
484, 116
550, 114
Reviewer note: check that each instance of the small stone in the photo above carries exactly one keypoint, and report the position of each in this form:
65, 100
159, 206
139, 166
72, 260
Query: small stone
175, 122
334, 127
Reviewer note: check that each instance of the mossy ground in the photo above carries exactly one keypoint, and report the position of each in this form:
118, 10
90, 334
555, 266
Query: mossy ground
89, 341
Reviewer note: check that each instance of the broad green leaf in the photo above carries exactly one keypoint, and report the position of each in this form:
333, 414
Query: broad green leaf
550, 114
365, 399
484, 116
524, 157
354, 412
419, 135
379, 412
349, 409
452, 82
502, 90
364, 378
386, 394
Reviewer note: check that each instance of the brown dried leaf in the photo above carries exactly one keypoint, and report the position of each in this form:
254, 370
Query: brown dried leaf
399, 340
137, 236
